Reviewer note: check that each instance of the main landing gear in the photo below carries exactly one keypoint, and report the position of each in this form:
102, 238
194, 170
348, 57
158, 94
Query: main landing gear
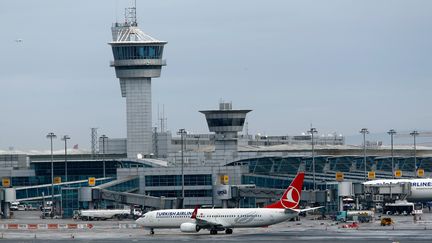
227, 231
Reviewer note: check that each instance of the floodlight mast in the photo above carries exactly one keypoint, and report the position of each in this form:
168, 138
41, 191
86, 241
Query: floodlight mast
364, 131
312, 131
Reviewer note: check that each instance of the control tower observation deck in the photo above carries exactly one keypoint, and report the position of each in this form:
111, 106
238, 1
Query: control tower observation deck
137, 59
226, 123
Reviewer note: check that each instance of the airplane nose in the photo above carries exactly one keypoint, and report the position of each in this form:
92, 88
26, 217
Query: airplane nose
140, 221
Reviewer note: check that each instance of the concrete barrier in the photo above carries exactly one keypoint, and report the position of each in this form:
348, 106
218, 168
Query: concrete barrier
32, 226
47, 226
52, 226
72, 226
22, 226
42, 226
12, 226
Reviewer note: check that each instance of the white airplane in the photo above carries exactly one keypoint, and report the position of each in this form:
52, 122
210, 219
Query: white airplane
225, 219
421, 189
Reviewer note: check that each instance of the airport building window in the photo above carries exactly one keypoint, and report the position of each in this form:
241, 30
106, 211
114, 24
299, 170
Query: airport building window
225, 122
175, 180
177, 193
138, 67
266, 182
69, 201
137, 52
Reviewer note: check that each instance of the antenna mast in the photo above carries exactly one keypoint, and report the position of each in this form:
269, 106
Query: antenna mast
130, 16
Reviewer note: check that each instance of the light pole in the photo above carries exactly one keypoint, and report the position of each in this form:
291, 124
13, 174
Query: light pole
182, 132
392, 132
364, 131
51, 136
103, 137
65, 138
415, 134
312, 131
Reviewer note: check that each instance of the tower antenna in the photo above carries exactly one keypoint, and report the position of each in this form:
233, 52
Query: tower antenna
130, 15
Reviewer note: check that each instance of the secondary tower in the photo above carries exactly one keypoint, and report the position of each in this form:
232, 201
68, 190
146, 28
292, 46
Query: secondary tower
226, 123
137, 59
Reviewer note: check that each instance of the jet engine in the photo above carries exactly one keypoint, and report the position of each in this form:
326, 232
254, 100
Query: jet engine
189, 227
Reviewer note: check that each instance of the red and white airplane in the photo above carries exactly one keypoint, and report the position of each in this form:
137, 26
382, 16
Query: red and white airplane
225, 219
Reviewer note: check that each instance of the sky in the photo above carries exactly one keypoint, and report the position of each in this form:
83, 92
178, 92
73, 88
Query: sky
336, 65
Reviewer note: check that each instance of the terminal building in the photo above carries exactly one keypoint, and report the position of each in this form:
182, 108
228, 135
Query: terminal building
222, 168
251, 175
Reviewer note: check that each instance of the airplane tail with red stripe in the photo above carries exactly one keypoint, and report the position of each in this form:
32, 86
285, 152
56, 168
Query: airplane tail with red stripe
291, 197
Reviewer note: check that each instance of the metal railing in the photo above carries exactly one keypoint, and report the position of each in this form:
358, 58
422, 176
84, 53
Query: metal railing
136, 62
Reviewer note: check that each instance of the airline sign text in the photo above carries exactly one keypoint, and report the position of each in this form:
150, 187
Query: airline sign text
173, 214
422, 184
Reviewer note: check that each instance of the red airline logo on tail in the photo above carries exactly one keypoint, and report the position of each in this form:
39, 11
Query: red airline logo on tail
291, 197
195, 212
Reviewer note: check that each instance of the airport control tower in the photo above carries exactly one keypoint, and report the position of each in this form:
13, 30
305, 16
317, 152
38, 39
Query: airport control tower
226, 123
137, 59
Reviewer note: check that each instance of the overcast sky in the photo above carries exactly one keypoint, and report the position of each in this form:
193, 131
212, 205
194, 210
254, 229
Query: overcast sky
339, 65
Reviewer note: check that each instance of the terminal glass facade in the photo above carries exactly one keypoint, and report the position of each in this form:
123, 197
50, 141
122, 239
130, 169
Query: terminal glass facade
125, 186
69, 201
77, 170
177, 193
175, 180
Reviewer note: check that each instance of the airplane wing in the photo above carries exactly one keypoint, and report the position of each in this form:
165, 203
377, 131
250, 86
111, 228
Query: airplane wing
205, 224
301, 210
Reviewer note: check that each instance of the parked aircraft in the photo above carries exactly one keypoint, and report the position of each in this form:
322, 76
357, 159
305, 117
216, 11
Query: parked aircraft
225, 219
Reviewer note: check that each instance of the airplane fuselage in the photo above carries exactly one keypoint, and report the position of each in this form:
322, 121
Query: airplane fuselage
227, 218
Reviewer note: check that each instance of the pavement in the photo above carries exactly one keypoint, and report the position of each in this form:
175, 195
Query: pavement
306, 230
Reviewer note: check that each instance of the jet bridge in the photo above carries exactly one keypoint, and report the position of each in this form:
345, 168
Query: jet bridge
388, 192
121, 191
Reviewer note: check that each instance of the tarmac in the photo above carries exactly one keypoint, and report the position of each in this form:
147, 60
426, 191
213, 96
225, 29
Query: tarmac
306, 230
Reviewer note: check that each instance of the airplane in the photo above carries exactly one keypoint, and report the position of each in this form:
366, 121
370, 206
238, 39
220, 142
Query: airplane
225, 219
421, 189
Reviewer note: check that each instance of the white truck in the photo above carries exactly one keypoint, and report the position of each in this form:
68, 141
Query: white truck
104, 214
402, 208
361, 216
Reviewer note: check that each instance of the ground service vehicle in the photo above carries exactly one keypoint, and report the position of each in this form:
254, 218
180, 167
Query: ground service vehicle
103, 214
360, 216
14, 206
402, 208
386, 221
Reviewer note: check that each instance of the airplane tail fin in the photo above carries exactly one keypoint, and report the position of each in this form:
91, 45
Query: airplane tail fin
195, 212
291, 197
